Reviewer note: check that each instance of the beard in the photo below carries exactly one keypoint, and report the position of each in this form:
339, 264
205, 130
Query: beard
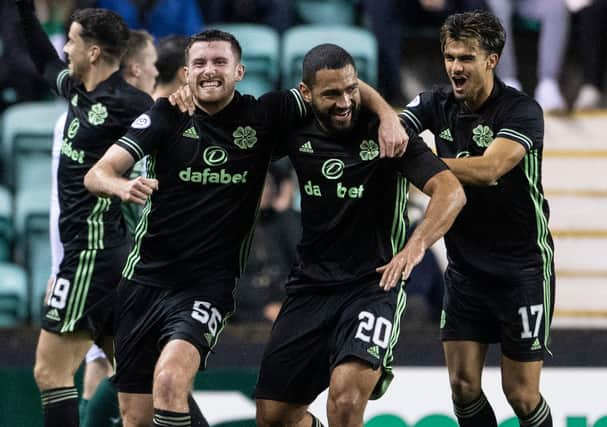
325, 118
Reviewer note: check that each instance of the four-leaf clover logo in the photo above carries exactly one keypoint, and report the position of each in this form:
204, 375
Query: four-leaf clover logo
368, 150
244, 137
482, 135
97, 114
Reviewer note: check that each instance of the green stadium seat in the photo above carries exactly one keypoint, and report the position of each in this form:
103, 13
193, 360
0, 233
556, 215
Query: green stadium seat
360, 43
30, 202
38, 261
32, 228
13, 295
6, 223
326, 12
27, 128
261, 50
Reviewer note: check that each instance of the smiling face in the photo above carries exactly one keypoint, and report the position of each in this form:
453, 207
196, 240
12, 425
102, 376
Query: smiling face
77, 52
335, 98
470, 70
212, 72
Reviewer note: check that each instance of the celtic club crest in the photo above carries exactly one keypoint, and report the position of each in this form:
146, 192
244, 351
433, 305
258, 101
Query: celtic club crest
368, 150
482, 135
244, 138
97, 114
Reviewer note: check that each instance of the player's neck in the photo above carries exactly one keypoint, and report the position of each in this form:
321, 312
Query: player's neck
212, 108
97, 74
481, 96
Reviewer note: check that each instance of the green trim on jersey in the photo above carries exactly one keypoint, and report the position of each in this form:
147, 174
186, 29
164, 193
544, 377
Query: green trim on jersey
80, 289
245, 246
398, 234
95, 223
133, 146
60, 77
142, 227
532, 167
387, 375
301, 105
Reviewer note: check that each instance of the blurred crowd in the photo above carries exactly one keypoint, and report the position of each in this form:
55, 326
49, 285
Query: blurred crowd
561, 25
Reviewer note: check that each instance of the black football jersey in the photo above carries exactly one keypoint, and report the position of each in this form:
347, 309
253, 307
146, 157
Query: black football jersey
353, 204
503, 226
211, 169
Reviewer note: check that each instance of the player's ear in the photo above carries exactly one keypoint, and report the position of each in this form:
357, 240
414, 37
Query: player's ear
239, 72
182, 76
492, 60
306, 92
94, 53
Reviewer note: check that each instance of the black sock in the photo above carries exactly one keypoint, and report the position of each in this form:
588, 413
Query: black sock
164, 418
315, 421
198, 420
60, 407
477, 413
539, 417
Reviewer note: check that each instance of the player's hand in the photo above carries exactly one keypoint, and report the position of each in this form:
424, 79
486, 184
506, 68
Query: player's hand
183, 99
138, 190
401, 265
393, 137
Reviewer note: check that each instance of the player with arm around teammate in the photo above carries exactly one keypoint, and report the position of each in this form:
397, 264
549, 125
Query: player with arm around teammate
205, 175
500, 276
340, 321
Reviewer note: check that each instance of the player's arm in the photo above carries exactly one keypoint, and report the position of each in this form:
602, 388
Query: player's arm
447, 198
393, 137
427, 172
42, 52
106, 178
497, 160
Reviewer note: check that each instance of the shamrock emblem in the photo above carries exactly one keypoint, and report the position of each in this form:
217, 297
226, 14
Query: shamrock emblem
482, 135
97, 114
368, 150
244, 137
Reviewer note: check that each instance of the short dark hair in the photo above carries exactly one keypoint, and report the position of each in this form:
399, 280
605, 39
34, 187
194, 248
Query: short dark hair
478, 25
104, 28
213, 35
324, 56
138, 40
171, 57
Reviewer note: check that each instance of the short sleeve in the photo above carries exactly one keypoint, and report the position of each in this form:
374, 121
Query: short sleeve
149, 130
285, 109
417, 114
523, 123
419, 164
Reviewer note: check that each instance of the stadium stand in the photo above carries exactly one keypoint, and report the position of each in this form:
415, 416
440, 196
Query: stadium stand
260, 57
360, 43
6, 223
13, 295
27, 134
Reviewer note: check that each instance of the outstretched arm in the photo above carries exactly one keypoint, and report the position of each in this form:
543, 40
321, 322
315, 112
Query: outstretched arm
497, 160
106, 178
447, 198
393, 137
38, 44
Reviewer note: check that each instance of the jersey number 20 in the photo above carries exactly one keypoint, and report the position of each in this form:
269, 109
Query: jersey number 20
373, 329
